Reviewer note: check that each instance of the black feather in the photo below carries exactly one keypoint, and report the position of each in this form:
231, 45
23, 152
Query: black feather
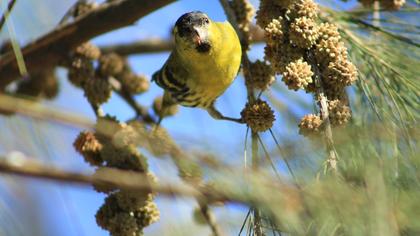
185, 23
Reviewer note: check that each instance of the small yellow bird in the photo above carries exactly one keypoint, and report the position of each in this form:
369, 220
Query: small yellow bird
203, 64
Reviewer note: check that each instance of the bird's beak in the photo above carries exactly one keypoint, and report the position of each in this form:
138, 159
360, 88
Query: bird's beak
200, 35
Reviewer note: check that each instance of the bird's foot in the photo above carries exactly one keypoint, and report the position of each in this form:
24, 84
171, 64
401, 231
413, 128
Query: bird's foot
213, 112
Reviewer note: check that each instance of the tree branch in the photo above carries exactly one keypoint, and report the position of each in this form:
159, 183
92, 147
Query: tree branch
144, 46
51, 48
130, 180
126, 179
162, 45
39, 110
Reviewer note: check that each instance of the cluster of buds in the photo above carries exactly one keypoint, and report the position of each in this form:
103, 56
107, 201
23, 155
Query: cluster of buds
127, 213
259, 75
96, 82
258, 115
299, 49
244, 12
40, 84
114, 145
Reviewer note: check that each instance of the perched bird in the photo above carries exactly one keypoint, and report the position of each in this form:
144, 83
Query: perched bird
204, 62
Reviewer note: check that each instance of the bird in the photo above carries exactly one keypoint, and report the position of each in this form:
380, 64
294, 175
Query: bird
204, 62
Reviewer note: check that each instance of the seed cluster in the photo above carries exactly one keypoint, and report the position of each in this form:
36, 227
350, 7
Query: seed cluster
89, 147
114, 144
244, 11
40, 84
298, 74
134, 83
96, 81
310, 124
339, 112
127, 213
258, 116
259, 75
299, 48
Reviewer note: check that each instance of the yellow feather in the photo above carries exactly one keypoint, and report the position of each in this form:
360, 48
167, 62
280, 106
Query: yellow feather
207, 75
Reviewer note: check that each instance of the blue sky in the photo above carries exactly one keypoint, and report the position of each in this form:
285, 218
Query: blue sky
69, 210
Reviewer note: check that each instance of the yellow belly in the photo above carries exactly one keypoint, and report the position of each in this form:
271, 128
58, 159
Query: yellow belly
209, 75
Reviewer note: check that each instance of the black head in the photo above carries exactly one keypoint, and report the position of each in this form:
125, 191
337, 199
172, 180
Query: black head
193, 27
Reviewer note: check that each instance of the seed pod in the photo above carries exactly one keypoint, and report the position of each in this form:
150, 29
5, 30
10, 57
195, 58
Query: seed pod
340, 73
280, 55
339, 113
303, 32
303, 8
298, 75
258, 116
274, 31
135, 84
88, 51
244, 12
97, 90
310, 125
111, 64
260, 75
87, 145
80, 70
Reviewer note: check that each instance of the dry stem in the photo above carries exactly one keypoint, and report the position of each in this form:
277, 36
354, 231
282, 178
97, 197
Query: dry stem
7, 13
130, 180
126, 179
41, 111
323, 107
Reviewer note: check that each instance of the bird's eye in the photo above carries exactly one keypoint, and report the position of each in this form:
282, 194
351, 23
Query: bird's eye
206, 20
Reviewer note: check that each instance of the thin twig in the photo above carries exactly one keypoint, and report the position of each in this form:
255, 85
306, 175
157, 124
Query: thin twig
210, 219
267, 155
7, 13
323, 107
97, 110
244, 223
140, 110
246, 148
283, 155
258, 230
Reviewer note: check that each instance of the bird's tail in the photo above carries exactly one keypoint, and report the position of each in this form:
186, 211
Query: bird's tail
155, 75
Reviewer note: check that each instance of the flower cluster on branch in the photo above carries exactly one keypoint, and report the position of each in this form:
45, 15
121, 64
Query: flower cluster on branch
301, 50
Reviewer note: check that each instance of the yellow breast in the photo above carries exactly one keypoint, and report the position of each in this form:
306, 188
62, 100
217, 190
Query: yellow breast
214, 72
